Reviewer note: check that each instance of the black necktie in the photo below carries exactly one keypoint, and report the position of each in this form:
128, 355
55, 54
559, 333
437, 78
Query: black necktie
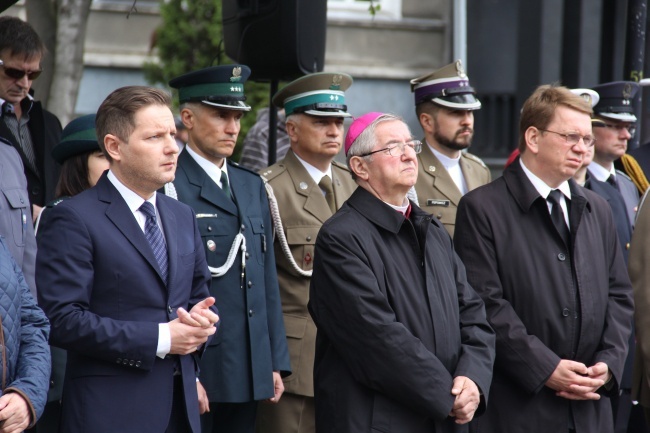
224, 184
154, 236
326, 185
612, 181
557, 215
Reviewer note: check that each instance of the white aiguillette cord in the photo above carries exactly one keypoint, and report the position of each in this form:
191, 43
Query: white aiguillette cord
238, 243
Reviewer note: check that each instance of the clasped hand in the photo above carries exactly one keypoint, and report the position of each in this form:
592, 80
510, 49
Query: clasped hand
575, 381
467, 400
191, 329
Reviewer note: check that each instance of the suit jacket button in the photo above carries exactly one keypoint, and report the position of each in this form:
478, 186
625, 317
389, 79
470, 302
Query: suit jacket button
561, 257
119, 360
170, 310
565, 312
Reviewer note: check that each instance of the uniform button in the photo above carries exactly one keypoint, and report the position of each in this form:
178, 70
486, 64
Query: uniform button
439, 216
209, 228
131, 363
119, 360
565, 312
170, 310
125, 361
627, 246
243, 227
138, 364
247, 255
262, 225
561, 257
308, 238
251, 313
21, 200
250, 284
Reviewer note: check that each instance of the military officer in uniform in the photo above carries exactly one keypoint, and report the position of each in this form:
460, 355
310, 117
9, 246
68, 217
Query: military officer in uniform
614, 123
445, 104
309, 187
245, 362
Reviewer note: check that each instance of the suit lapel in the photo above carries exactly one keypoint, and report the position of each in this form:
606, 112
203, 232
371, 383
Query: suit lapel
438, 175
121, 216
208, 189
315, 202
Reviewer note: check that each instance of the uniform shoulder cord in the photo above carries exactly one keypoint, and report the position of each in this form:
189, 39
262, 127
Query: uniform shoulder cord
239, 243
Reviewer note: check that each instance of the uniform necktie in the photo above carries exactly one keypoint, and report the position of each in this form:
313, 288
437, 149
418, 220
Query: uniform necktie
326, 185
557, 215
612, 181
154, 236
225, 187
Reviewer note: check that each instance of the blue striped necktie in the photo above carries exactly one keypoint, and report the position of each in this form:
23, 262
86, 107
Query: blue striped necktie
154, 236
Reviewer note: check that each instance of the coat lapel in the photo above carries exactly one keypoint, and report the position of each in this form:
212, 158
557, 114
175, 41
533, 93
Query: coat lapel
438, 175
121, 216
209, 191
304, 185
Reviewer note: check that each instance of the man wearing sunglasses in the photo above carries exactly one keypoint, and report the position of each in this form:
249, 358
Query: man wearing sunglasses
614, 123
31, 129
445, 104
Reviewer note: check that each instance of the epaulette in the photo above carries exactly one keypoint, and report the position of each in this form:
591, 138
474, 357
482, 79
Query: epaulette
241, 167
475, 158
341, 165
57, 201
273, 171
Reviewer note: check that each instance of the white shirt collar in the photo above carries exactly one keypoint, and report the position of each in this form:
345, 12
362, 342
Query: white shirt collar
133, 200
210, 168
542, 188
600, 172
444, 159
315, 173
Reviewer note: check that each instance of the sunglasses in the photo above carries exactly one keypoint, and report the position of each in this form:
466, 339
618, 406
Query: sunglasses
18, 74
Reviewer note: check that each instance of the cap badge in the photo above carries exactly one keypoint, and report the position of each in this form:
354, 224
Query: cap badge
236, 74
460, 70
336, 82
586, 97
627, 91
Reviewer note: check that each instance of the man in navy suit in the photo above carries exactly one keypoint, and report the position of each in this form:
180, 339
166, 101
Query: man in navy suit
245, 363
124, 281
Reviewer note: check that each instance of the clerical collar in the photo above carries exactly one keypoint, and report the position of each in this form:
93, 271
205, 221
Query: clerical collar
404, 209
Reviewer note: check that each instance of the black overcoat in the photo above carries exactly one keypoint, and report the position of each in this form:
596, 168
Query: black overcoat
519, 264
396, 322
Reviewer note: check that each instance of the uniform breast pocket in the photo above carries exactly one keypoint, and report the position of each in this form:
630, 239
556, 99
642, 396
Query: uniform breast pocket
301, 242
18, 203
259, 239
215, 237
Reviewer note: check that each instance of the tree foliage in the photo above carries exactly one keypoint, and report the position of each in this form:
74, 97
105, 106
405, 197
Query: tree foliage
190, 38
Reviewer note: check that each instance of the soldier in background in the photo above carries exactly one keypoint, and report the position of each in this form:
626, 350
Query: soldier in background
309, 187
445, 104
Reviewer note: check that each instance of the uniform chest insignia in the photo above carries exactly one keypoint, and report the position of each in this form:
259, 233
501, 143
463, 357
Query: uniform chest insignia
211, 245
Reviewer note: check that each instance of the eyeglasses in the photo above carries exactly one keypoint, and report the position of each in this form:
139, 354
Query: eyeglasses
618, 126
18, 74
398, 149
573, 138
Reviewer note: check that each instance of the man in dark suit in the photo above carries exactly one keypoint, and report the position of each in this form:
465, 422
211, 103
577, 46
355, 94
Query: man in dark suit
128, 300
245, 363
31, 129
543, 254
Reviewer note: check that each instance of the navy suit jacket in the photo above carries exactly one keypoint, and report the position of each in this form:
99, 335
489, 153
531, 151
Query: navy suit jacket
100, 285
251, 344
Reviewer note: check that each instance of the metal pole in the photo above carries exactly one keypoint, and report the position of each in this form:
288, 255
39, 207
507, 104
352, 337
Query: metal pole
273, 124
460, 31
635, 53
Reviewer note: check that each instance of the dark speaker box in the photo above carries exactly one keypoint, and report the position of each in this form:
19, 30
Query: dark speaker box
277, 39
